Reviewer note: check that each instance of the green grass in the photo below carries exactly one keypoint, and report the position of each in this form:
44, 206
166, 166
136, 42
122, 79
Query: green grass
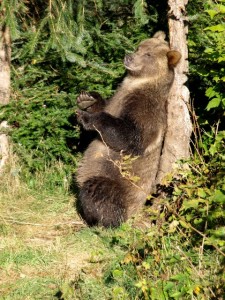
43, 243
46, 252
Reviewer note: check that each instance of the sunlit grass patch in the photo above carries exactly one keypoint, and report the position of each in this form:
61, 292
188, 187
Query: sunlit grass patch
19, 255
44, 246
40, 287
46, 252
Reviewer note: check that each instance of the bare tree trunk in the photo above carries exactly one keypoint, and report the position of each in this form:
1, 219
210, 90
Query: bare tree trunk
177, 138
5, 56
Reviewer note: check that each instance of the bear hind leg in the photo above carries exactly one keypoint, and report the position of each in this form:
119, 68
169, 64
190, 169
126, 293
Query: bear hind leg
100, 202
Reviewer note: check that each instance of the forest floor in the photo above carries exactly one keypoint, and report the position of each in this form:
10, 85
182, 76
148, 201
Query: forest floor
44, 246
47, 252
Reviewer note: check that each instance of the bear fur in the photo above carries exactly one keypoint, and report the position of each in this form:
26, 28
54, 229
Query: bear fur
131, 128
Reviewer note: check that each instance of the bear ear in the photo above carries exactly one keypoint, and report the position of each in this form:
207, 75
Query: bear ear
160, 35
173, 57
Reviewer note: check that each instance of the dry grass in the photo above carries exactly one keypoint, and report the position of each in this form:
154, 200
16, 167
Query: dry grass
46, 252
43, 244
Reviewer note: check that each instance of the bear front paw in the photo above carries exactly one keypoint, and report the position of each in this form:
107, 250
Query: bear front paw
85, 100
84, 118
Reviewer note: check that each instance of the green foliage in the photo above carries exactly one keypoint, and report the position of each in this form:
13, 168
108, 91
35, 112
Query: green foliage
8, 16
207, 55
48, 254
163, 263
42, 125
203, 200
203, 193
140, 12
59, 48
180, 253
216, 54
182, 256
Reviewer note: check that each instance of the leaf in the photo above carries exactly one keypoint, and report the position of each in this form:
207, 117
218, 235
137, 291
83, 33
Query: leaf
119, 293
169, 286
216, 28
212, 13
221, 8
201, 193
176, 295
215, 102
146, 265
192, 203
210, 92
117, 273
212, 241
198, 221
213, 149
179, 277
183, 224
209, 50
129, 258
220, 59
173, 226
142, 285
177, 191
140, 8
219, 232
218, 196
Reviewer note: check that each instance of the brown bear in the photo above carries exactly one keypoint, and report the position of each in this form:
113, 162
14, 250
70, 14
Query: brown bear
131, 127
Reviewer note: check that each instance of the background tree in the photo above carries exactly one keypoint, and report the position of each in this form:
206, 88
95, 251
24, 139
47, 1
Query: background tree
5, 57
177, 138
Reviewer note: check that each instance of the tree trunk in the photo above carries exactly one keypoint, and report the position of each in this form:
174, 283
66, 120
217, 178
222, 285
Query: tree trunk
177, 138
5, 56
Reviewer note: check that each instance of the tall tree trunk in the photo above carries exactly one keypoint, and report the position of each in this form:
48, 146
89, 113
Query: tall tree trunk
177, 138
5, 56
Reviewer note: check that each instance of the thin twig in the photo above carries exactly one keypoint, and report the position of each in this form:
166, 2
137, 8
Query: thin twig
197, 150
196, 170
118, 165
217, 127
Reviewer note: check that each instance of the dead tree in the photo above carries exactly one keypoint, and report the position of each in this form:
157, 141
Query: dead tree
5, 56
177, 138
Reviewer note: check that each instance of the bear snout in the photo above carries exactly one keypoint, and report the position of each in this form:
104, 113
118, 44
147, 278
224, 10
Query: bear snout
128, 59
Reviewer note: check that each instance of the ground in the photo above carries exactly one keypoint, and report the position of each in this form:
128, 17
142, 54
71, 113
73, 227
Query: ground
44, 245
47, 252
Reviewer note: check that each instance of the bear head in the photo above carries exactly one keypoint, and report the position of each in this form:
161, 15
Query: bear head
152, 58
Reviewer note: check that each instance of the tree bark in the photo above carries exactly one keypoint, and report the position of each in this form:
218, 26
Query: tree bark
5, 57
177, 139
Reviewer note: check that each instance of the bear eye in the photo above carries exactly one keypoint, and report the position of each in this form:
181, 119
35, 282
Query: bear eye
147, 54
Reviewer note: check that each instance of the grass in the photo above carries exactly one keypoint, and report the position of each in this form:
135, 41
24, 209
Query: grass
43, 243
46, 252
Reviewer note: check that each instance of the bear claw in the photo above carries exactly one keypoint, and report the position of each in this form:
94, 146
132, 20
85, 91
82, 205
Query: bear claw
85, 100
